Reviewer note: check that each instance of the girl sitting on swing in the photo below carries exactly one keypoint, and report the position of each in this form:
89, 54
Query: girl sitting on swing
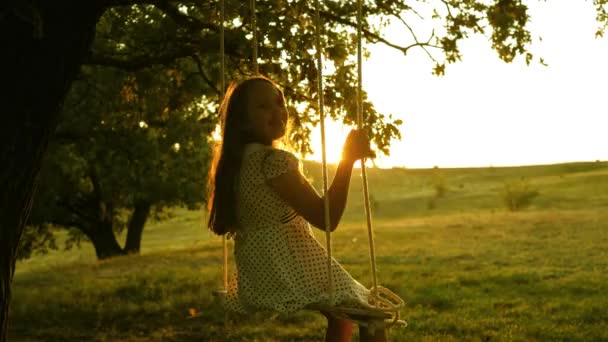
259, 197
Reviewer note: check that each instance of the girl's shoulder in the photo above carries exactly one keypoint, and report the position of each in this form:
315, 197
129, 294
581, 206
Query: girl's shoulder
268, 153
274, 161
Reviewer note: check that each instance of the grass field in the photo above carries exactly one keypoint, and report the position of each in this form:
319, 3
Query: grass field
468, 269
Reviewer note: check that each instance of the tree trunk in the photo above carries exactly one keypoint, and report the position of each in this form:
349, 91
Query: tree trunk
104, 241
136, 227
43, 44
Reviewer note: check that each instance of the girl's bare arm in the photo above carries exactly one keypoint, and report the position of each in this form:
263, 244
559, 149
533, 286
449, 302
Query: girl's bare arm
296, 191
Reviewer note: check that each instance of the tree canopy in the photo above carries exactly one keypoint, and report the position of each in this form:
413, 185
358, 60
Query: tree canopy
137, 34
132, 35
153, 75
128, 144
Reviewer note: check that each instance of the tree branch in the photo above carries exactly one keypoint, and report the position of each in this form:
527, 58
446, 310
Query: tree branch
185, 49
373, 36
78, 220
62, 135
119, 3
140, 62
171, 11
199, 66
47, 238
417, 42
183, 19
68, 223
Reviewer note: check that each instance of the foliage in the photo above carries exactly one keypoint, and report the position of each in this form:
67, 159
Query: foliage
518, 194
125, 139
286, 44
36, 239
601, 7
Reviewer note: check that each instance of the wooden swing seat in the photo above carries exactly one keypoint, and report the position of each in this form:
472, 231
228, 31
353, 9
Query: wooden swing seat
379, 317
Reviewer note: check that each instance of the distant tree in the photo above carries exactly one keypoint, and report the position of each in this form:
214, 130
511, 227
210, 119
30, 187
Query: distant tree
46, 42
128, 144
439, 183
440, 187
518, 194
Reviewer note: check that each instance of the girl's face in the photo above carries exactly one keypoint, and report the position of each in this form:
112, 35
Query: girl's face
267, 114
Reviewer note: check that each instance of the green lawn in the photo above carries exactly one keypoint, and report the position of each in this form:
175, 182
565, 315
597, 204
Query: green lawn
468, 269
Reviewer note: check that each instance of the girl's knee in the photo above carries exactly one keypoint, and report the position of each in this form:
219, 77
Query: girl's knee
345, 325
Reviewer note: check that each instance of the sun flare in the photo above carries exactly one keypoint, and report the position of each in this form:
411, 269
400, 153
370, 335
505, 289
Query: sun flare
335, 135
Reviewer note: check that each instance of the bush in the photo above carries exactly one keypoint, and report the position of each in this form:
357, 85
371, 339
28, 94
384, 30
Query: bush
518, 194
440, 187
439, 183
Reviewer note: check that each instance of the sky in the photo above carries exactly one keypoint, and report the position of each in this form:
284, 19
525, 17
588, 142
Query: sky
486, 112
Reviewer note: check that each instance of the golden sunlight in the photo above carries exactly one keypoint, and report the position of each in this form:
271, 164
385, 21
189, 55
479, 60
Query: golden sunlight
486, 112
335, 135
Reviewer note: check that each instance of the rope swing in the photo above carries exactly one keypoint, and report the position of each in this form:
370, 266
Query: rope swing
385, 304
222, 93
254, 32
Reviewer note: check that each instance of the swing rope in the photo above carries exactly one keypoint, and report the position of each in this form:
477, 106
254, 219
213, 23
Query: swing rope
323, 144
254, 31
386, 303
330, 289
223, 91
360, 122
222, 94
383, 300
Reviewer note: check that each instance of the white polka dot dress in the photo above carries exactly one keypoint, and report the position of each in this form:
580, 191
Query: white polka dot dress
280, 266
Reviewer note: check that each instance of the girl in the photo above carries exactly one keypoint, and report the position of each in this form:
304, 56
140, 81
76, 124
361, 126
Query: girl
259, 197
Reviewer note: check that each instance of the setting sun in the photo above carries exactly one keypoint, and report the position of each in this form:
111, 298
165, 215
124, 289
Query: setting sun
335, 135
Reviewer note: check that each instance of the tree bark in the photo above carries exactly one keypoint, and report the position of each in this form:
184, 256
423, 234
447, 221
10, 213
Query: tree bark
102, 235
43, 45
136, 227
104, 241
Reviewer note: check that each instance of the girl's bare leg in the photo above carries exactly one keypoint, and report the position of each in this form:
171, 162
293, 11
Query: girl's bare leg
338, 330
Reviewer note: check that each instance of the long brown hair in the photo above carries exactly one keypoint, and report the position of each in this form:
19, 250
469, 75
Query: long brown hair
228, 155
